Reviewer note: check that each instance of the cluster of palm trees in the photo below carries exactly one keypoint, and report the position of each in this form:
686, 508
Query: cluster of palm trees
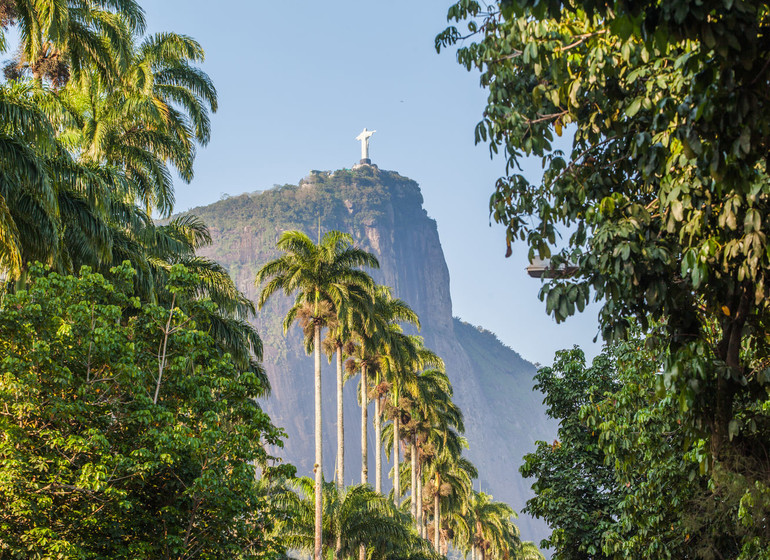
94, 118
432, 500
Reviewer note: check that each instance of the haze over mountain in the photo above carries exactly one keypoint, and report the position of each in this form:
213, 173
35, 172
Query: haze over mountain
383, 211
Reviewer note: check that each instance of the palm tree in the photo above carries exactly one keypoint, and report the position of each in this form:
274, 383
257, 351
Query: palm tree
318, 274
407, 356
451, 475
375, 331
29, 225
368, 336
149, 120
429, 406
123, 131
485, 526
390, 313
60, 38
366, 359
52, 208
338, 342
430, 424
355, 517
528, 551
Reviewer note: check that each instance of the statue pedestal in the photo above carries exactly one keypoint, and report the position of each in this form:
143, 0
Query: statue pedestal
366, 162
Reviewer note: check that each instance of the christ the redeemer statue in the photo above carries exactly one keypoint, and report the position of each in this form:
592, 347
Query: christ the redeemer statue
364, 138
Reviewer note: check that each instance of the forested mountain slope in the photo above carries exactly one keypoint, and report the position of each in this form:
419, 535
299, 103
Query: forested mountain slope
383, 211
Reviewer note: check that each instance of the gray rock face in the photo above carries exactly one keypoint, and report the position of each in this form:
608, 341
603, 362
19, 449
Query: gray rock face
383, 211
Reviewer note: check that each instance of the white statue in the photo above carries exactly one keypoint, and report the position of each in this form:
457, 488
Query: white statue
364, 138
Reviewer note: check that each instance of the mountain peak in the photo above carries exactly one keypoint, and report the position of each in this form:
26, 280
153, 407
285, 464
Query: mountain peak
383, 212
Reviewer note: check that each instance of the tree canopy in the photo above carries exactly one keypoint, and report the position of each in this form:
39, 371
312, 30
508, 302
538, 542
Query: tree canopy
118, 443
663, 195
660, 199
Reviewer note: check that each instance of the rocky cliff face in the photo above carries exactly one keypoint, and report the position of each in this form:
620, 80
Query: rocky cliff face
383, 211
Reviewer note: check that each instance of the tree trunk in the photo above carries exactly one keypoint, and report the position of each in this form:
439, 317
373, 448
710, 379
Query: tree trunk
413, 464
473, 552
364, 429
420, 523
364, 443
728, 350
340, 444
436, 515
377, 444
318, 441
340, 424
396, 460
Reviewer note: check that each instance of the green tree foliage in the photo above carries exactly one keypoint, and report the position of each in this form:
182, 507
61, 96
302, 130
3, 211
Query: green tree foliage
624, 478
673, 506
661, 497
487, 528
355, 517
576, 493
663, 192
86, 159
125, 432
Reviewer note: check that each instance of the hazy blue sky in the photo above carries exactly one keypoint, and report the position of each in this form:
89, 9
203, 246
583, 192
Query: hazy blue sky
297, 81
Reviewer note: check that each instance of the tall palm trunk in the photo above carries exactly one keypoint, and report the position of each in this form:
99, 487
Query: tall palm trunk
420, 523
377, 444
340, 424
364, 428
340, 445
364, 443
396, 459
413, 460
318, 440
437, 515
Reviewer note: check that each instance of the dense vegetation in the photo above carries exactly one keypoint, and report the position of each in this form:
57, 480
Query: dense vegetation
112, 449
130, 425
664, 197
130, 375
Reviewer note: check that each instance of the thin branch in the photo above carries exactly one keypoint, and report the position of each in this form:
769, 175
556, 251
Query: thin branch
90, 345
574, 163
543, 118
762, 71
162, 361
514, 54
581, 39
198, 501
